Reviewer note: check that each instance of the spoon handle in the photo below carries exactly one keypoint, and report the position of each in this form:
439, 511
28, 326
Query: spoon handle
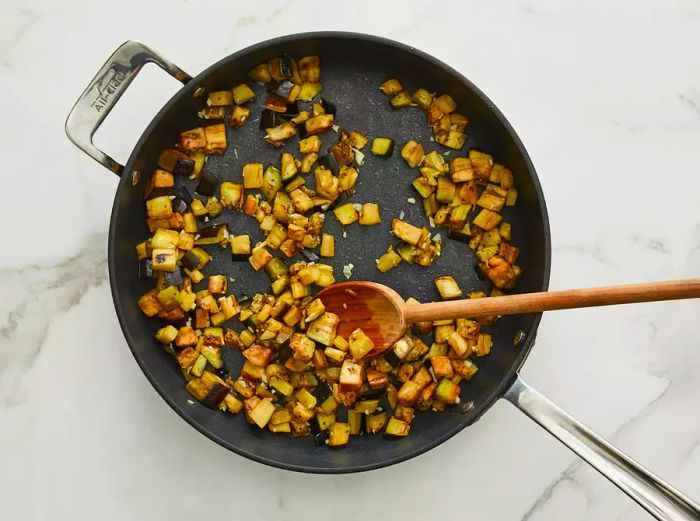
550, 300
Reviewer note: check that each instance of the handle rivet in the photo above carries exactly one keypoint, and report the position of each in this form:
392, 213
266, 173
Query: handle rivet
198, 92
135, 177
465, 407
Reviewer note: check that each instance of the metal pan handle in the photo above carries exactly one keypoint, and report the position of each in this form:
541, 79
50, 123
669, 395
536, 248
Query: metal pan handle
105, 89
660, 499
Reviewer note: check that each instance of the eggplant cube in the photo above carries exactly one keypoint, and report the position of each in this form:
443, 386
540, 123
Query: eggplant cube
412, 152
164, 259
442, 367
323, 329
159, 207
391, 87
252, 175
302, 346
222, 98
318, 124
339, 434
397, 427
369, 214
217, 284
262, 412
360, 344
382, 146
346, 214
406, 232
216, 138
239, 116
232, 195
447, 287
447, 391
192, 140
242, 94
351, 376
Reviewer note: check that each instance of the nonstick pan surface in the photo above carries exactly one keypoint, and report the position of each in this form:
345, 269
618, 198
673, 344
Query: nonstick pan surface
352, 67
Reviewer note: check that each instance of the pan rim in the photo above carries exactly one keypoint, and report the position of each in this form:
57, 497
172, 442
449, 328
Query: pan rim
499, 389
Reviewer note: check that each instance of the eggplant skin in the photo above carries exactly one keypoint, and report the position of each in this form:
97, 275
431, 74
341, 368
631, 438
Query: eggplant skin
215, 396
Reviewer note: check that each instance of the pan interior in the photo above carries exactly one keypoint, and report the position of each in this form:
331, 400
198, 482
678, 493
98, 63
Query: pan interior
352, 67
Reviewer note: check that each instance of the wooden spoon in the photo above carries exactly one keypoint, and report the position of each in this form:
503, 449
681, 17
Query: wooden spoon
383, 315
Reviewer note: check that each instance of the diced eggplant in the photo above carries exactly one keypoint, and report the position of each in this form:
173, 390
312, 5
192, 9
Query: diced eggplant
360, 344
276, 103
318, 124
208, 183
422, 98
391, 87
252, 175
402, 99
216, 138
209, 389
447, 391
270, 119
487, 219
369, 214
338, 434
382, 146
239, 116
346, 214
160, 184
397, 427
389, 260
375, 423
231, 195
277, 135
242, 94
190, 260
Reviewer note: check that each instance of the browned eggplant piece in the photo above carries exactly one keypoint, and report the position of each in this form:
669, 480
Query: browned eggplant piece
285, 66
190, 261
209, 389
276, 103
161, 183
208, 183
342, 150
212, 228
270, 119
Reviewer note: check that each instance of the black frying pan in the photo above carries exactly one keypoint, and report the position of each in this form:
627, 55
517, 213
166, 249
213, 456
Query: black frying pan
352, 66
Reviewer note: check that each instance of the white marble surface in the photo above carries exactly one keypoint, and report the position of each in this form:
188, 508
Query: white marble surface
605, 97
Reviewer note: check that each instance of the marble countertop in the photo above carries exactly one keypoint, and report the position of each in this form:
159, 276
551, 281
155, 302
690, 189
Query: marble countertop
606, 99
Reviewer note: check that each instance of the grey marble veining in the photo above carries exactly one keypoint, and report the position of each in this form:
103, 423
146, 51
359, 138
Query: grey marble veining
606, 97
